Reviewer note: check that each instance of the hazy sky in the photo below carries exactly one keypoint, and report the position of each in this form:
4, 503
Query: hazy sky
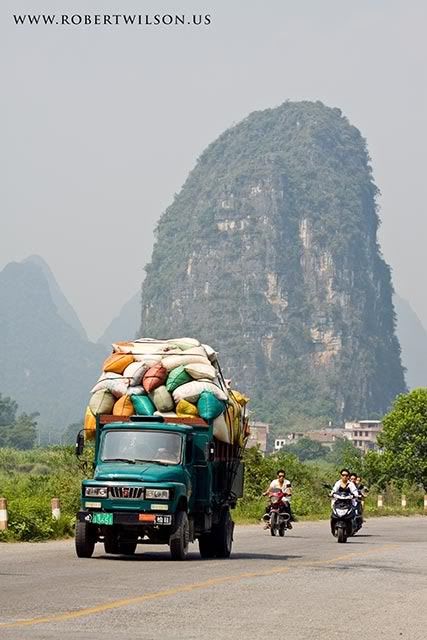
101, 124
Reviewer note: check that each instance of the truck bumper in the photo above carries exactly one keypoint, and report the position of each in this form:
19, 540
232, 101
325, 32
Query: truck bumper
125, 518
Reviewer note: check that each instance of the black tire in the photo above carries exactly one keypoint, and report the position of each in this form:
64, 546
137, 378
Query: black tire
223, 535
273, 520
341, 534
282, 529
127, 548
84, 540
207, 546
180, 538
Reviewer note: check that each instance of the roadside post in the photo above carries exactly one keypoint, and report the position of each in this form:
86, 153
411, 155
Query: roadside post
3, 514
380, 501
403, 501
56, 509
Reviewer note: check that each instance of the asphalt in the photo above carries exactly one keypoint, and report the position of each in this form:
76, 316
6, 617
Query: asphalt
304, 586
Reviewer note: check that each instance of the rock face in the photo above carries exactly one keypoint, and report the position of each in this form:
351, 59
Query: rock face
270, 254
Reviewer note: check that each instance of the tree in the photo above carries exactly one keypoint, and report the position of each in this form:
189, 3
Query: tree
8, 409
344, 454
307, 449
23, 433
404, 438
16, 432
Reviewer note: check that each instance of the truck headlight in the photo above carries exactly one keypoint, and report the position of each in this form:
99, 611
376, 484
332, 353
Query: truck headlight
157, 494
96, 492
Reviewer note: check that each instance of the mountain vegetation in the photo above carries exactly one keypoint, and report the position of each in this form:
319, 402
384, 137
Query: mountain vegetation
46, 365
270, 253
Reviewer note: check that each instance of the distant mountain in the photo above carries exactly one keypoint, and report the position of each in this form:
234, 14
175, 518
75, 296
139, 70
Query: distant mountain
413, 341
64, 308
45, 364
125, 325
270, 254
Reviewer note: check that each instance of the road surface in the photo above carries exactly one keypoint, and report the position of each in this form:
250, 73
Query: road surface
304, 587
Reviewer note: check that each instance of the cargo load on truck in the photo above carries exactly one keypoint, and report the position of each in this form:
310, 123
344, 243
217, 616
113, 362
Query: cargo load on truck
175, 378
169, 433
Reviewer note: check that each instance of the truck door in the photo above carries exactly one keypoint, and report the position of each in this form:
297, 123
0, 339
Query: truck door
201, 473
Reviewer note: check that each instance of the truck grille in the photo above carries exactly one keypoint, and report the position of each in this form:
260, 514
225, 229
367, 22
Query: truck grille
131, 493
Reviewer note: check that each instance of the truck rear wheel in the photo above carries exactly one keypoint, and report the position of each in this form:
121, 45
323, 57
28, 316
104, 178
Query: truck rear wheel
127, 548
180, 538
84, 540
207, 546
223, 535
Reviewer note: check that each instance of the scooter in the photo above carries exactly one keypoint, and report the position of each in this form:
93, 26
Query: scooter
345, 519
277, 518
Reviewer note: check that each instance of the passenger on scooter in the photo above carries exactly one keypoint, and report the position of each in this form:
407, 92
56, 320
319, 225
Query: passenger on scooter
345, 486
283, 485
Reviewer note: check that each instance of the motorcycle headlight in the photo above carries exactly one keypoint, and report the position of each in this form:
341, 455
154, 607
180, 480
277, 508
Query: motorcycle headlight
157, 494
96, 492
342, 512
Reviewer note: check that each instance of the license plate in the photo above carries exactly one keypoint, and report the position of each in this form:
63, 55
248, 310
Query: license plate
102, 518
163, 519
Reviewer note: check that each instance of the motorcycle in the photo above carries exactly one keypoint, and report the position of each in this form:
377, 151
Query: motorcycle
278, 517
345, 517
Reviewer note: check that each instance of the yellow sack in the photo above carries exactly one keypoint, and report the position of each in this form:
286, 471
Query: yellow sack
241, 399
89, 425
117, 362
185, 408
123, 407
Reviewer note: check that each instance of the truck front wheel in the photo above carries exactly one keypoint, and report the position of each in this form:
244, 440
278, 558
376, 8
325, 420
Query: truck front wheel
180, 538
85, 540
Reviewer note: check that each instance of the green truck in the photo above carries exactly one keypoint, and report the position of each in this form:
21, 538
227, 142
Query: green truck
158, 480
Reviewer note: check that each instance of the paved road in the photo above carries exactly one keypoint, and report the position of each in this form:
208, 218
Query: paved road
304, 587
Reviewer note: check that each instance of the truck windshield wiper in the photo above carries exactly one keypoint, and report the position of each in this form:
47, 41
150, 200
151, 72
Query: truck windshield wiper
129, 460
151, 461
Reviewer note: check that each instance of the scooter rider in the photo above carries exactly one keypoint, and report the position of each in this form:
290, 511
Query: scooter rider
345, 486
283, 485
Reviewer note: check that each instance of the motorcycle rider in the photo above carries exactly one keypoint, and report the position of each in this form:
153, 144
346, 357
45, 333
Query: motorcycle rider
344, 486
282, 484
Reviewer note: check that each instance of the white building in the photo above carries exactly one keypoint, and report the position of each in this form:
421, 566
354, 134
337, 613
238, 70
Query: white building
363, 433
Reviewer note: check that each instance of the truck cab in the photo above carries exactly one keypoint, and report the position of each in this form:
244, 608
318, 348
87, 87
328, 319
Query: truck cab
158, 480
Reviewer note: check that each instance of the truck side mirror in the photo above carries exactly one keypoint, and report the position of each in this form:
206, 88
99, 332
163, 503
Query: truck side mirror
210, 451
80, 444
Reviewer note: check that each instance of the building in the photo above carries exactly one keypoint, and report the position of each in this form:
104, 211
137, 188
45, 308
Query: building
325, 437
286, 440
258, 435
363, 433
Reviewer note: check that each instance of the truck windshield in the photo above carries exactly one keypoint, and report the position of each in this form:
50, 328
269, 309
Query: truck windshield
141, 446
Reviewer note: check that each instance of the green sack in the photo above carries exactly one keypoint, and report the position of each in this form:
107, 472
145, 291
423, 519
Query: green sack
143, 405
208, 406
177, 377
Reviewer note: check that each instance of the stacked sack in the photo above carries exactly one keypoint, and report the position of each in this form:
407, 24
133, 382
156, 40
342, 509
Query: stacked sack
173, 378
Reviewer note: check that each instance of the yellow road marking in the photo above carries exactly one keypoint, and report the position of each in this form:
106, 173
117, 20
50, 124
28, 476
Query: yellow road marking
116, 604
